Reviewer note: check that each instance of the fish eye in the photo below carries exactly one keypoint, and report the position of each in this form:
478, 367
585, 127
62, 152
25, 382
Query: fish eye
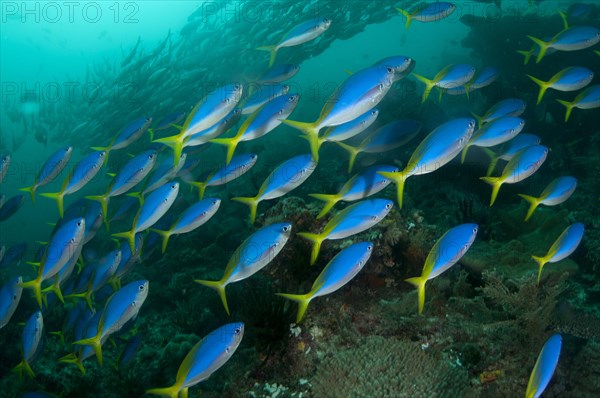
238, 330
461, 140
253, 157
227, 350
370, 247
471, 124
475, 230
215, 202
141, 288
15, 297
287, 228
390, 69
173, 186
388, 206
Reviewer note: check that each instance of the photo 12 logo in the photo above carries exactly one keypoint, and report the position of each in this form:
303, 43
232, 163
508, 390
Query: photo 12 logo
69, 11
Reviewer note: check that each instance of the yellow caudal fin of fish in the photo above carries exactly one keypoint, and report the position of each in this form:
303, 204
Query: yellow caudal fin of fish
200, 186
533, 204
352, 152
406, 15
302, 299
543, 48
24, 366
330, 201
478, 118
31, 191
568, 108
129, 236
563, 16
310, 129
252, 203
137, 195
316, 240
272, 50
170, 392
526, 54
175, 142
93, 342
72, 358
87, 296
496, 183
493, 161
315, 143
543, 87
429, 84
59, 198
230, 144
36, 286
54, 288
419, 283
165, 235
219, 287
398, 178
541, 261
103, 199
151, 133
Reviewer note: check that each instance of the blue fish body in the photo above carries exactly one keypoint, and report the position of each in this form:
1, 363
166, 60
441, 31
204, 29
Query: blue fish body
255, 253
446, 252
169, 120
11, 206
336, 274
31, 342
516, 144
586, 99
557, 192
428, 12
544, 367
286, 177
85, 170
63, 244
4, 165
121, 307
350, 129
402, 65
10, 296
278, 74
133, 172
130, 133
565, 244
507, 107
216, 130
205, 358
14, 254
238, 166
263, 95
51, 168
568, 79
495, 133
130, 350
129, 258
350, 221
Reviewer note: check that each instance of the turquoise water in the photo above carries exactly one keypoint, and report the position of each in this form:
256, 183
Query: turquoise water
79, 73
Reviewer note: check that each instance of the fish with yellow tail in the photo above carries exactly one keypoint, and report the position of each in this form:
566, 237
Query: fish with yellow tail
205, 358
568, 79
522, 165
557, 192
336, 274
302, 33
427, 12
286, 177
569, 39
51, 168
352, 220
255, 253
564, 245
452, 76
121, 307
210, 110
437, 149
544, 367
446, 252
31, 343
587, 99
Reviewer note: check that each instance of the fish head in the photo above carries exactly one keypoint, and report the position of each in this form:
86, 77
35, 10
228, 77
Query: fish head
325, 24
231, 337
139, 292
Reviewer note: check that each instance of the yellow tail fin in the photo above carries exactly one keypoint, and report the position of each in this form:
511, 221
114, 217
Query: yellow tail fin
302, 299
170, 392
310, 129
496, 183
272, 50
31, 191
315, 143
55, 288
137, 195
175, 142
527, 54
229, 143
419, 282
128, 236
352, 152
201, 186
543, 87
103, 199
36, 286
533, 204
250, 202
165, 235
399, 178
316, 240
59, 198
429, 84
219, 287
330, 201
493, 161
24, 366
541, 261
543, 48
406, 15
94, 342
568, 108
72, 358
